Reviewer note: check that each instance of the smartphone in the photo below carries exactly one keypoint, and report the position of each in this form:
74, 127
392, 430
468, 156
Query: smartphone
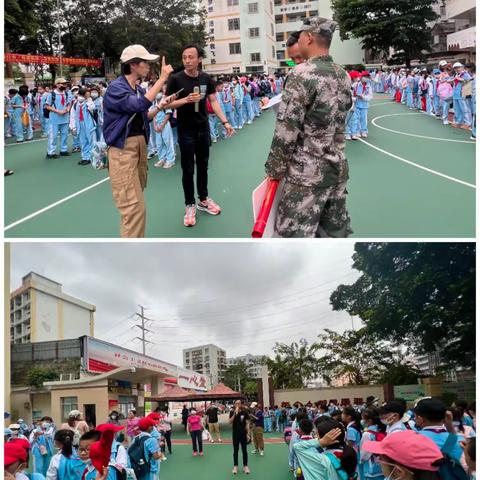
180, 91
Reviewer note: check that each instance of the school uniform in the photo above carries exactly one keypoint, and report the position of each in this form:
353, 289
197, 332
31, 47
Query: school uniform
351, 122
409, 83
84, 124
436, 98
58, 124
445, 101
151, 446
238, 94
396, 427
8, 123
43, 120
21, 131
63, 468
439, 435
361, 106
152, 145
247, 104
473, 109
119, 454
369, 466
42, 450
226, 102
462, 112
98, 102
257, 110
267, 422
164, 139
316, 465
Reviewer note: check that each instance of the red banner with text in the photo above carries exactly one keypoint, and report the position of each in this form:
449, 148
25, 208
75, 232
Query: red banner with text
51, 60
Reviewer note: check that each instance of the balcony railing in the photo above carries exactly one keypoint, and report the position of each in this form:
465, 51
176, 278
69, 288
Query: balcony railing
462, 40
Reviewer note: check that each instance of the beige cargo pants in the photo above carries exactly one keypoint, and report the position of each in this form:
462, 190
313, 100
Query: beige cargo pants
128, 167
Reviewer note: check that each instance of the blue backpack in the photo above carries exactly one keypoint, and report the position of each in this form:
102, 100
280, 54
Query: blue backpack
136, 452
451, 469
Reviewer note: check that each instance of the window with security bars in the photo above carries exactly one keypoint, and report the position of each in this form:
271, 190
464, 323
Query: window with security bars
235, 48
67, 404
234, 24
254, 32
232, 3
253, 8
255, 57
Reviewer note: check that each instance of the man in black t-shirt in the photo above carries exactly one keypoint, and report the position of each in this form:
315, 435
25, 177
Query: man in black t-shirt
193, 130
213, 425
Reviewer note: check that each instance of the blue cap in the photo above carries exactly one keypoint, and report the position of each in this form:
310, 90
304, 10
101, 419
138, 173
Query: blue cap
5, 415
7, 431
437, 71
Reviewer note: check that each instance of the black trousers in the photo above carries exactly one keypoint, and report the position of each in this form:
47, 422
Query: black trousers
240, 440
168, 439
194, 150
197, 440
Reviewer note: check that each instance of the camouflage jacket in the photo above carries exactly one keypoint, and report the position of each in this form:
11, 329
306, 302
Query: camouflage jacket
308, 146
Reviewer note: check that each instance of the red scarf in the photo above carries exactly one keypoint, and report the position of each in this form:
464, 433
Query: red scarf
62, 101
364, 88
458, 81
81, 113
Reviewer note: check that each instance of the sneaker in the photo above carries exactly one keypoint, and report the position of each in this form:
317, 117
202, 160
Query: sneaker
76, 150
364, 135
169, 165
20, 141
51, 155
455, 125
249, 122
201, 454
235, 470
65, 154
465, 127
209, 206
355, 137
212, 441
151, 155
159, 164
195, 454
189, 220
246, 470
254, 452
7, 173
220, 440
348, 137
446, 122
473, 138
214, 140
8, 135
29, 139
261, 453
84, 162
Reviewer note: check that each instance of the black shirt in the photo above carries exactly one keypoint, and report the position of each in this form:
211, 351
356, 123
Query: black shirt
240, 422
137, 126
212, 413
187, 119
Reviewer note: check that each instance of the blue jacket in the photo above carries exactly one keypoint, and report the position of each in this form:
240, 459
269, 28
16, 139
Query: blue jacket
120, 103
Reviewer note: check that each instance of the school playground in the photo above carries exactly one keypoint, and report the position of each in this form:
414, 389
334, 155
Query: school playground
413, 177
218, 460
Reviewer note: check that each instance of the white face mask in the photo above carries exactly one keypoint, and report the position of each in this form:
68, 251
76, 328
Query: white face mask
80, 99
94, 95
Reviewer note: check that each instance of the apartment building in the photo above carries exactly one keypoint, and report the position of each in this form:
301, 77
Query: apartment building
209, 360
253, 363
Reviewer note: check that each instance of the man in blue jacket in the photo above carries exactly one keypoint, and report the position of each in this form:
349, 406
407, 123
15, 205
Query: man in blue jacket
126, 131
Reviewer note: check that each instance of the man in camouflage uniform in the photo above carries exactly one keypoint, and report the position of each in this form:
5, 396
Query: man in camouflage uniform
308, 148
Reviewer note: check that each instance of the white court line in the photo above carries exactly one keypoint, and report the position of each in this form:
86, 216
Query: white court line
26, 142
49, 207
383, 103
421, 167
412, 134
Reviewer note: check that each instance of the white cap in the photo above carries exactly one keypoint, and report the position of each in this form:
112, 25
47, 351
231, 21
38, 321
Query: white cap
60, 80
137, 51
253, 404
14, 426
74, 413
442, 63
457, 64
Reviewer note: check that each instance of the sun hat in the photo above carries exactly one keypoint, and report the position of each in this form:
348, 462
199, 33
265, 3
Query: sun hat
442, 63
145, 423
100, 451
457, 64
13, 452
60, 80
137, 51
74, 413
409, 448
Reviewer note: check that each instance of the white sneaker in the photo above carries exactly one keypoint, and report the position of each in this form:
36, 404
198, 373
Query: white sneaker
446, 122
261, 453
364, 135
355, 137
249, 122
169, 165
348, 137
254, 451
214, 140
159, 164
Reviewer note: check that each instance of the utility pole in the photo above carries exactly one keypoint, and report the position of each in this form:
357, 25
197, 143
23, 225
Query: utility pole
143, 328
59, 38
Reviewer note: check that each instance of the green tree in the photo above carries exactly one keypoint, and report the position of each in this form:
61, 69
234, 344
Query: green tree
357, 354
416, 294
237, 377
400, 373
381, 25
293, 365
36, 376
251, 388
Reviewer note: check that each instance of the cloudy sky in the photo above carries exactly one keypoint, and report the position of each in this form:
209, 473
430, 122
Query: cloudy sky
242, 297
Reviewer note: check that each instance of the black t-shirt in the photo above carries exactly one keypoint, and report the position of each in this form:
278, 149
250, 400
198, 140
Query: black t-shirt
187, 119
212, 413
137, 126
240, 422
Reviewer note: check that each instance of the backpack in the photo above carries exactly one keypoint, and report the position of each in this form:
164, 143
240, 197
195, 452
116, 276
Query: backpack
46, 113
136, 452
119, 474
338, 467
451, 469
379, 436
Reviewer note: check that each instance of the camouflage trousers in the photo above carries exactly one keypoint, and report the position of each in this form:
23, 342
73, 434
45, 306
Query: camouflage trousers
313, 212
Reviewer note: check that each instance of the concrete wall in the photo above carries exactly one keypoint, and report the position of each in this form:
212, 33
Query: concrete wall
20, 407
41, 405
316, 394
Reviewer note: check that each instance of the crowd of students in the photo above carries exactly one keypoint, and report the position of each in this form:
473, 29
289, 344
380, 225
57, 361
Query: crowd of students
427, 442
64, 109
435, 92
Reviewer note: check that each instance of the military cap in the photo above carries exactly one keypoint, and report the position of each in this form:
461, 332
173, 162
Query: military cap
320, 25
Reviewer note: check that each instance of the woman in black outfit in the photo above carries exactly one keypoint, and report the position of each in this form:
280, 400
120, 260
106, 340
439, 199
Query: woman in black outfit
239, 418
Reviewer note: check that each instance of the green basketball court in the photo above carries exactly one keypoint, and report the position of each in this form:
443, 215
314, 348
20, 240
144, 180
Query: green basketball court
413, 177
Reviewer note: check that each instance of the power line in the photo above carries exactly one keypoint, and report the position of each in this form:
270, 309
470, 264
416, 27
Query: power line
143, 329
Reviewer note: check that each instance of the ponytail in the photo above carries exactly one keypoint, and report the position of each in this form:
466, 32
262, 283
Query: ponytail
65, 438
355, 416
348, 461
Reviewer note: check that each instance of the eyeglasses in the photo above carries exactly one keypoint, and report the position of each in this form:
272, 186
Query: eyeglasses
394, 466
84, 450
